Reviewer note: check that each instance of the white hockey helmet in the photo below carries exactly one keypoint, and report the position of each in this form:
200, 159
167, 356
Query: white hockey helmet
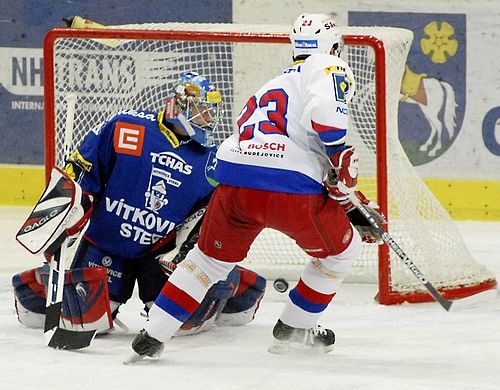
315, 33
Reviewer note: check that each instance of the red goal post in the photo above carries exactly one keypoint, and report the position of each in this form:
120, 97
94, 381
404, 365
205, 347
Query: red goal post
131, 67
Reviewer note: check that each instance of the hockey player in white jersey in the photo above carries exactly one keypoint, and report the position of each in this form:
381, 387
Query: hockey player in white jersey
276, 172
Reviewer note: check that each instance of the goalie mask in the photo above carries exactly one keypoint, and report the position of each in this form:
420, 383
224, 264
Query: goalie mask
198, 108
315, 33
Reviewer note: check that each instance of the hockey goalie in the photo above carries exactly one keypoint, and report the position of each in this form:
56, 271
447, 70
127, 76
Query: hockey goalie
128, 205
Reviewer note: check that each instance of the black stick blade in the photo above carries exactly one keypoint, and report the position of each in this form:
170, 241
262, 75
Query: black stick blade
52, 316
70, 340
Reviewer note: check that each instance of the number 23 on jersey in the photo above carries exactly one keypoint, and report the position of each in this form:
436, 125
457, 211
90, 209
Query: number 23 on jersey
276, 121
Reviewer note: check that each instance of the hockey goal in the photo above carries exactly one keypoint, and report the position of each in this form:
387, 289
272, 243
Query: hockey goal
131, 67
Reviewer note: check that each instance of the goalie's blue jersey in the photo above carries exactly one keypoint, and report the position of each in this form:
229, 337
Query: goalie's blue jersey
144, 180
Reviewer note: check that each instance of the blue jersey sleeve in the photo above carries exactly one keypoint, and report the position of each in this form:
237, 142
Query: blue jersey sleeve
94, 158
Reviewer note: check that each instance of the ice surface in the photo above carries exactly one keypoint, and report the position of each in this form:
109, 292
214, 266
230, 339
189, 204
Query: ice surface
404, 347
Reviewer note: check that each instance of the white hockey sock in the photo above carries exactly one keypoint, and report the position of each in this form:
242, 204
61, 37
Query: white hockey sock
319, 282
183, 293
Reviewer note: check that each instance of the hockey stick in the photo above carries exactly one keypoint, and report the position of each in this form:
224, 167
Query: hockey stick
445, 303
55, 336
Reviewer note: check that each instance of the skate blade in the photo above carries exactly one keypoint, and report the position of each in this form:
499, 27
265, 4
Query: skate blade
133, 358
286, 348
136, 358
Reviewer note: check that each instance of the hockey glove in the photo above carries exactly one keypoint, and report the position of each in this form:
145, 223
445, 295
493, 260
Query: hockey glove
343, 178
167, 264
185, 239
62, 211
368, 234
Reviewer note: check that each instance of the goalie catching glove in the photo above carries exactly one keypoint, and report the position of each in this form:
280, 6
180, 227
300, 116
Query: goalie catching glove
368, 233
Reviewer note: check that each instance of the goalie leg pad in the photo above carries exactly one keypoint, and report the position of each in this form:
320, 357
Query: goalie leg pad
29, 298
85, 301
205, 315
240, 309
61, 211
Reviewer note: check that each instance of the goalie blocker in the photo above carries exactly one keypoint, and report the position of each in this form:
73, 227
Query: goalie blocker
61, 212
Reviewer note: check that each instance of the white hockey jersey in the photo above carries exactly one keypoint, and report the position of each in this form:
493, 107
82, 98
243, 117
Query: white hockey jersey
287, 128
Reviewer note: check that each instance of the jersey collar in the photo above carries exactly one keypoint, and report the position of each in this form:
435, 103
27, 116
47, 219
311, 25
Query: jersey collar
169, 134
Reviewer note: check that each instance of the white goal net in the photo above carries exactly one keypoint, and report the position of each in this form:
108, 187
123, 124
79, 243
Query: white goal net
133, 66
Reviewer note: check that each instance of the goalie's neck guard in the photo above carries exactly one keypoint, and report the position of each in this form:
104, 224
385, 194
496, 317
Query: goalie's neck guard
173, 138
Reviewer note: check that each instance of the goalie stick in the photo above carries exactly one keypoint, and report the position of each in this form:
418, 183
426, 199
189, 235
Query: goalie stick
445, 303
55, 336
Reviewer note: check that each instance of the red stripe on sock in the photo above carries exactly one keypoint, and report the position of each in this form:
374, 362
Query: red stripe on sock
182, 298
312, 295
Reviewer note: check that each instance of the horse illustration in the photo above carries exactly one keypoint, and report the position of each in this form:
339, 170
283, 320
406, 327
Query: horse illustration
432, 96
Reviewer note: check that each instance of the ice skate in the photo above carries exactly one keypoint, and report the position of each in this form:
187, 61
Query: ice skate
289, 340
144, 346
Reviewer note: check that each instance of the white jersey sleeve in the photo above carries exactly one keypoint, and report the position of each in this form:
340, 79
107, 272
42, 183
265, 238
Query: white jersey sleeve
328, 85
